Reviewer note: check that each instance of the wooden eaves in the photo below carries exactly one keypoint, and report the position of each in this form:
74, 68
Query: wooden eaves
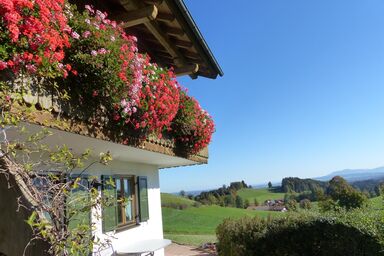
166, 30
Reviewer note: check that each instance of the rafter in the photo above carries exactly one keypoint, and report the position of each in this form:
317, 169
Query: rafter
187, 70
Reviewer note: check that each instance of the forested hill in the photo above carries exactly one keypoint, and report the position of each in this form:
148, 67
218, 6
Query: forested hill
294, 184
297, 185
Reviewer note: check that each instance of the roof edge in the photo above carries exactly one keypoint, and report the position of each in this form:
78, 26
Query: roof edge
192, 24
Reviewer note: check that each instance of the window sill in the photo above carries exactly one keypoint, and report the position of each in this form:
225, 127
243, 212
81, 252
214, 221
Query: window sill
127, 227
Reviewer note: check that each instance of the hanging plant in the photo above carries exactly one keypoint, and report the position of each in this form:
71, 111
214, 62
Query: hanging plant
192, 127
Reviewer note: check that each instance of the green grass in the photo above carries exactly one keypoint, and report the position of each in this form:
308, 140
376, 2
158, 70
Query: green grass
167, 199
260, 194
203, 220
197, 225
195, 240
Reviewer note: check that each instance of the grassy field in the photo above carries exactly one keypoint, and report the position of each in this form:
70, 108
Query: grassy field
260, 194
194, 225
167, 199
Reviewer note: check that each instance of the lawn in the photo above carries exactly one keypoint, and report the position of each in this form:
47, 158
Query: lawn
195, 226
260, 194
168, 199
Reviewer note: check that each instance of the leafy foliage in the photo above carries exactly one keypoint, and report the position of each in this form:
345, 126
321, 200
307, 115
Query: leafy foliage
344, 233
193, 127
344, 194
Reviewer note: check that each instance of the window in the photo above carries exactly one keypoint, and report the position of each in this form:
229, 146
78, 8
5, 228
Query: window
125, 201
126, 210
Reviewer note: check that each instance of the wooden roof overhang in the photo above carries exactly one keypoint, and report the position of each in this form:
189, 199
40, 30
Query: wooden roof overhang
167, 32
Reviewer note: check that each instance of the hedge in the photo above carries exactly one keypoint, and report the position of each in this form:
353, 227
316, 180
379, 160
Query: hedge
354, 233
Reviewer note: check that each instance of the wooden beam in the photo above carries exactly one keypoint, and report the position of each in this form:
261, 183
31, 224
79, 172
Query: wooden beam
173, 31
158, 33
140, 16
156, 2
165, 16
181, 43
165, 42
187, 70
192, 55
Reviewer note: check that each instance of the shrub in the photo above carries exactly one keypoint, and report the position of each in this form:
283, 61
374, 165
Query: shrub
305, 204
196, 204
291, 205
353, 233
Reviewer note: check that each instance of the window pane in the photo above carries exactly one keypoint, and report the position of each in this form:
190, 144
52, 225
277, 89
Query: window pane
109, 206
119, 200
128, 199
143, 198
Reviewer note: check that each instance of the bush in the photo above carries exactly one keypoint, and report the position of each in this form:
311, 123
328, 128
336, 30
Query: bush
196, 204
305, 204
291, 205
343, 233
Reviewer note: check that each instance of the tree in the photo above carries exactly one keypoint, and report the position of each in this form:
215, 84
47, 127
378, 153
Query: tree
228, 200
255, 202
344, 194
56, 200
182, 193
269, 184
239, 202
246, 203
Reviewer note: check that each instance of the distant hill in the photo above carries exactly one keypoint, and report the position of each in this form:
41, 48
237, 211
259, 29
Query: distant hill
352, 175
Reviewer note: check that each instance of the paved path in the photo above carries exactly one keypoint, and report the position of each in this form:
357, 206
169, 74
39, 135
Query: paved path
183, 250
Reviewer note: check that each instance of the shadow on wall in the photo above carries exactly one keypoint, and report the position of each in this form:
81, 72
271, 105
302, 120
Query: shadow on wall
14, 231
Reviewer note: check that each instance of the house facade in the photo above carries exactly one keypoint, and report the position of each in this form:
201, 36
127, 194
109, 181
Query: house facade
166, 30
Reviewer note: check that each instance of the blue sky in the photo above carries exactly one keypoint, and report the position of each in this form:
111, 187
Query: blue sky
302, 94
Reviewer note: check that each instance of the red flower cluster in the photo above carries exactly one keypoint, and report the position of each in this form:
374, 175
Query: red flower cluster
106, 59
193, 127
159, 100
104, 67
35, 30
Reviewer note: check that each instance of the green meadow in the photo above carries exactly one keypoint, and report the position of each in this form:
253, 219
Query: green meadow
260, 194
196, 225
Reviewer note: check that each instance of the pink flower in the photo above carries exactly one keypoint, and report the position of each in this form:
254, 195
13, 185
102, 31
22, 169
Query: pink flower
3, 65
89, 8
123, 103
31, 68
75, 35
87, 21
93, 53
102, 51
86, 34
113, 38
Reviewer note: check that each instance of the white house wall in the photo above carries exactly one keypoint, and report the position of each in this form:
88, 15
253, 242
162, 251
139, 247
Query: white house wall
151, 229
